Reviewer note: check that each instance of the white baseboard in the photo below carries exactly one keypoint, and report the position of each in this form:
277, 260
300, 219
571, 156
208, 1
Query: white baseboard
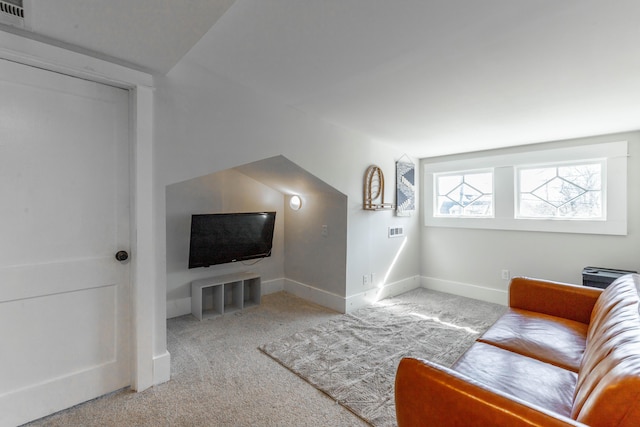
466, 290
370, 296
162, 367
178, 307
315, 295
272, 286
182, 306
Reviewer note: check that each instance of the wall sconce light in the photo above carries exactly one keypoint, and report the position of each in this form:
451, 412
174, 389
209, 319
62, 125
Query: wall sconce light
295, 203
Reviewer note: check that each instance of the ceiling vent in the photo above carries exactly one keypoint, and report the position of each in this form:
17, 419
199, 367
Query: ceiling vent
12, 12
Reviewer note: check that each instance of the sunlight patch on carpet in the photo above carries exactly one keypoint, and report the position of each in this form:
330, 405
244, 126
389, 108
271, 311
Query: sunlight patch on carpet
435, 319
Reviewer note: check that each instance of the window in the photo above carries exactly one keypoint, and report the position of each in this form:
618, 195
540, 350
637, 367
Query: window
565, 187
463, 194
567, 191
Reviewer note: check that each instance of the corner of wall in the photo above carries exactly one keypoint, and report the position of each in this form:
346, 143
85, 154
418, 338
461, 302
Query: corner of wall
315, 295
272, 286
373, 295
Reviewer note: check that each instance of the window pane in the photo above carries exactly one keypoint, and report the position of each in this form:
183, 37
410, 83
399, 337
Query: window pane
448, 182
530, 179
464, 194
566, 191
585, 176
482, 181
482, 206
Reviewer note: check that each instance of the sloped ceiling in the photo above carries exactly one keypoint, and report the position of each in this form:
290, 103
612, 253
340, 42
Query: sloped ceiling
440, 76
149, 35
283, 175
433, 77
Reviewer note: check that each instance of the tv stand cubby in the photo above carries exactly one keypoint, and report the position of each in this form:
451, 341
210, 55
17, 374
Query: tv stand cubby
215, 296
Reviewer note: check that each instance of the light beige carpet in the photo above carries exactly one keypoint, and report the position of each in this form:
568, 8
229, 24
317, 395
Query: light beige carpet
354, 358
220, 378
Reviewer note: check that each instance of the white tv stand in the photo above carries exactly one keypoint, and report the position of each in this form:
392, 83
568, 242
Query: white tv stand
215, 296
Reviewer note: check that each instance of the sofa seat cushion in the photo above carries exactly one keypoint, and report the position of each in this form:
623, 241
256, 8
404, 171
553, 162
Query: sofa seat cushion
550, 339
531, 380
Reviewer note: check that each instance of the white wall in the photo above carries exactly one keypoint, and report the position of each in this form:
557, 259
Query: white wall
312, 257
225, 191
205, 123
469, 261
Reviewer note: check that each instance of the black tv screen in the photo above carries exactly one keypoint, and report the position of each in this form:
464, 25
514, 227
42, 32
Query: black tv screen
230, 237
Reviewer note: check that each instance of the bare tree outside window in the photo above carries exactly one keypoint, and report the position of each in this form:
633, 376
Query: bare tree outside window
571, 191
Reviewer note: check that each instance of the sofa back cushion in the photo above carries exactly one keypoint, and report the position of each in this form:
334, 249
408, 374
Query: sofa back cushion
608, 387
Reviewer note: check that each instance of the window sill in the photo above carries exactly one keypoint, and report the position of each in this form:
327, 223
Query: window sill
610, 227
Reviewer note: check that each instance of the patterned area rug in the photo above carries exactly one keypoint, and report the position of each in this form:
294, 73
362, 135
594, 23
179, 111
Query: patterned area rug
353, 359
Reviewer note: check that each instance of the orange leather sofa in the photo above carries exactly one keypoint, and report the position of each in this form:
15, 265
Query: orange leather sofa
563, 355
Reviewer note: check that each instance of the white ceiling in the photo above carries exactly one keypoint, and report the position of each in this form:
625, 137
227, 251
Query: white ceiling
150, 35
432, 76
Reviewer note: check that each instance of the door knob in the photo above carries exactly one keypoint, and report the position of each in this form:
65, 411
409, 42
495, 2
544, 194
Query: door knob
122, 255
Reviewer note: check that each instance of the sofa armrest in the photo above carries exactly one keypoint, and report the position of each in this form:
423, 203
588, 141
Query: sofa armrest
428, 394
571, 302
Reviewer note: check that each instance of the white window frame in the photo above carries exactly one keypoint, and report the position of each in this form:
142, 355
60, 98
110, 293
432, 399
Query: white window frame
504, 181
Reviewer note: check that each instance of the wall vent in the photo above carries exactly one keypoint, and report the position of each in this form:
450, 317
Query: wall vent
395, 231
12, 12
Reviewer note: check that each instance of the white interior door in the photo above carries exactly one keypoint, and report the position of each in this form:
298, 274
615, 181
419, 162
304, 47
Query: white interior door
64, 213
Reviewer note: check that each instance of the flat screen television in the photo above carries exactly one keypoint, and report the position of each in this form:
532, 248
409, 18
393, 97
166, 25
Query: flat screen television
229, 237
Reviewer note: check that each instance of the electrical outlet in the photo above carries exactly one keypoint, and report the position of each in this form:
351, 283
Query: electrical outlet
365, 280
373, 279
505, 275
325, 230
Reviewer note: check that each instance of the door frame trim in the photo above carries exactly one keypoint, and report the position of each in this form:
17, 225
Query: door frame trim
150, 359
